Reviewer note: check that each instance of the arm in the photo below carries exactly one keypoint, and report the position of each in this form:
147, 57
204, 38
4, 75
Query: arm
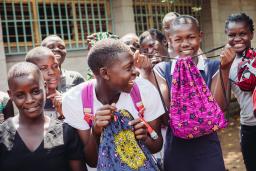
227, 57
77, 165
145, 68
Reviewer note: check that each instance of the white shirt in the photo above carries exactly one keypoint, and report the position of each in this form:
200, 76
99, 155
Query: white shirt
73, 108
244, 98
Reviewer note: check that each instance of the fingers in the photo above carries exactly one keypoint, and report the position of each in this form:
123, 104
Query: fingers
140, 129
103, 117
227, 56
141, 61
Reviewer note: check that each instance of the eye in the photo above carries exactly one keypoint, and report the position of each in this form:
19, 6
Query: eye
51, 46
55, 66
231, 35
43, 68
242, 34
61, 47
177, 40
20, 95
36, 91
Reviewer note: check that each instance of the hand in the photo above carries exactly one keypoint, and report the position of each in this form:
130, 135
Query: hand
140, 129
56, 99
103, 116
142, 62
90, 38
227, 56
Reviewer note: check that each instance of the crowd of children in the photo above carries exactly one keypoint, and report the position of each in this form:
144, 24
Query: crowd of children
140, 84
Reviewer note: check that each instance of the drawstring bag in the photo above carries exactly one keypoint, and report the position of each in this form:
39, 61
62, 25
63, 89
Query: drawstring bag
119, 150
247, 70
193, 110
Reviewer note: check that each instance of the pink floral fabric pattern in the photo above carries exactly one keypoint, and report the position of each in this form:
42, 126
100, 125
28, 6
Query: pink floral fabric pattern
193, 110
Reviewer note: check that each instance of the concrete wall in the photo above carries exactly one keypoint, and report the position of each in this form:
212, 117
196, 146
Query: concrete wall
3, 68
123, 17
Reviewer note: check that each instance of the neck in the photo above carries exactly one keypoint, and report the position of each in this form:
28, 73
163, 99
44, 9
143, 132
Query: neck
25, 121
195, 60
105, 94
51, 91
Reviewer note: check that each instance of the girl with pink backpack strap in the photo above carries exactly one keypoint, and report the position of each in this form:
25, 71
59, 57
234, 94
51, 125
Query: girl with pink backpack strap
117, 130
194, 114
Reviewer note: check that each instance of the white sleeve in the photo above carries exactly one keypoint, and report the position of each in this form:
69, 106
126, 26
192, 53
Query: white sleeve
72, 108
151, 100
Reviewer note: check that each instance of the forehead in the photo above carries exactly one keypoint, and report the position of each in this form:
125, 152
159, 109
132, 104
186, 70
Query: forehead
53, 39
31, 79
237, 25
183, 29
45, 59
123, 58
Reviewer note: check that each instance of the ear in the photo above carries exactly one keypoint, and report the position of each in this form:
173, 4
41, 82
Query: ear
45, 87
201, 34
10, 94
165, 43
104, 73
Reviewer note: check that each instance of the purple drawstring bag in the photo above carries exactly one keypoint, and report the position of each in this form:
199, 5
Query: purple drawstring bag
193, 110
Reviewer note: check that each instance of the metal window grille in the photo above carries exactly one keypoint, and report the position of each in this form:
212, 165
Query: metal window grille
26, 22
149, 13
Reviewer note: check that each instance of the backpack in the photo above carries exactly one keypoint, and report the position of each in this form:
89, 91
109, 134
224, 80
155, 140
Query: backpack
246, 73
119, 150
193, 109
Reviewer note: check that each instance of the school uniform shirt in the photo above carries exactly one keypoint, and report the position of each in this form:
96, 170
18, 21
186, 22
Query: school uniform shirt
61, 144
244, 98
69, 79
73, 108
4, 98
198, 154
50, 110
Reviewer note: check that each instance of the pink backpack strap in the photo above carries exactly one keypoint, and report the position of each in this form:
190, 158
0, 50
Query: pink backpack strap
87, 100
136, 98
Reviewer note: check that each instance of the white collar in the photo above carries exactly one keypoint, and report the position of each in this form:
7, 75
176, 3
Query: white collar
200, 65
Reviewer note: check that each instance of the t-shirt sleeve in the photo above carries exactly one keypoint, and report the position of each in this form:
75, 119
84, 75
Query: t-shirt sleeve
160, 69
151, 100
72, 108
74, 145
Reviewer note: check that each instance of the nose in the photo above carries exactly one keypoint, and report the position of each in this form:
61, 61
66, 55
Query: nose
185, 43
237, 38
50, 71
29, 98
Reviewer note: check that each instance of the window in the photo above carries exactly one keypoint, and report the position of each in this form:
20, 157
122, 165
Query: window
26, 23
149, 13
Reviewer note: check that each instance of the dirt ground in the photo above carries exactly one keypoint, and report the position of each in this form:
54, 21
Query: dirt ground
230, 142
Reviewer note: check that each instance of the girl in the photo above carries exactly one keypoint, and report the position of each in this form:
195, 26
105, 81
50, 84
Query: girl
202, 153
49, 66
239, 30
68, 78
31, 140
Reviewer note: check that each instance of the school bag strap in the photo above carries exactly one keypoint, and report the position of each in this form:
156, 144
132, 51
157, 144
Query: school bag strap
136, 99
87, 100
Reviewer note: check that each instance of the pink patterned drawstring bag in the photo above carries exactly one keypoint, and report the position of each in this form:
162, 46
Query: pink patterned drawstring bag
193, 110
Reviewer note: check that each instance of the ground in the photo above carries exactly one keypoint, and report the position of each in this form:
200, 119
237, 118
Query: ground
230, 142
